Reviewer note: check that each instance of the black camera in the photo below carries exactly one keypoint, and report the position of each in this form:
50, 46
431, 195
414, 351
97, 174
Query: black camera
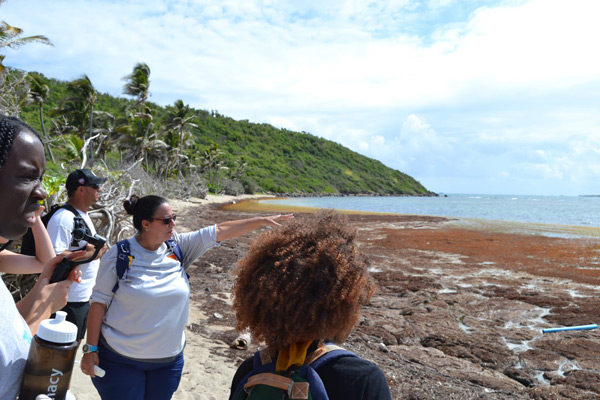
80, 232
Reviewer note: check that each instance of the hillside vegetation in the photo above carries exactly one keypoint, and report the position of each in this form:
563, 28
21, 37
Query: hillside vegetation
174, 141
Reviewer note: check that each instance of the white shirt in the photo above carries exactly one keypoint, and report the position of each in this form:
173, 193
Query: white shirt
60, 228
147, 315
15, 339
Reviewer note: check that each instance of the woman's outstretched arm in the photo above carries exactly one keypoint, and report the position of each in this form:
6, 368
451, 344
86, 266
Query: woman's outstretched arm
240, 227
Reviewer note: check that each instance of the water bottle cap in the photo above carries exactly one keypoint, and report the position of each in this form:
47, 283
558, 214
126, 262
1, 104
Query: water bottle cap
57, 330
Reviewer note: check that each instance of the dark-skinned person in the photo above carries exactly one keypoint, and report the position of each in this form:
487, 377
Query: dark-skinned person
299, 290
22, 166
138, 314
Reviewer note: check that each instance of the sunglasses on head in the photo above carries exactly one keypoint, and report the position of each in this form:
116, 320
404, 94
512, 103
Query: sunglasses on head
167, 220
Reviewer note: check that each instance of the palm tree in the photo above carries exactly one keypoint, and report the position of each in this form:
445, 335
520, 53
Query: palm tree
139, 143
38, 91
73, 146
10, 37
138, 83
84, 92
213, 162
79, 106
179, 121
105, 128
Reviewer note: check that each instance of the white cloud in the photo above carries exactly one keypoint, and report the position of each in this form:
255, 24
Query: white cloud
465, 96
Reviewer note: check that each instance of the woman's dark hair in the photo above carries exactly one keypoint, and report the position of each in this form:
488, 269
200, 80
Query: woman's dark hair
303, 281
10, 127
142, 208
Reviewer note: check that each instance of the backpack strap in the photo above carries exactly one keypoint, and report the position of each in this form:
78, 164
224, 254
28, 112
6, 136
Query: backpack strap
325, 354
5, 245
175, 249
295, 390
124, 259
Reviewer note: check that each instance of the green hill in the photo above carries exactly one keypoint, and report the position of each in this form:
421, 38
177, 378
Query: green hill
260, 157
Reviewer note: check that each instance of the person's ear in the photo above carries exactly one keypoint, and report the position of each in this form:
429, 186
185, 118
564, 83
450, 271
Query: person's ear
145, 225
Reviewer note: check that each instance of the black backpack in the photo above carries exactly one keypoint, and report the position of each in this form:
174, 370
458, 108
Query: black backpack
28, 244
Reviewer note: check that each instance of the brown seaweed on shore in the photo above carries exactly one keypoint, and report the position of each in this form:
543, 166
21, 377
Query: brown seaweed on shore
458, 313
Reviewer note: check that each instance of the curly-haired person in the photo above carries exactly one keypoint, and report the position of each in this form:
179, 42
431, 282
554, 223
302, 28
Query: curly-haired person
300, 286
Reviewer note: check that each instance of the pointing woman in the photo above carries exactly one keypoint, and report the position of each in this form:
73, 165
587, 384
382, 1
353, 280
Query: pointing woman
136, 322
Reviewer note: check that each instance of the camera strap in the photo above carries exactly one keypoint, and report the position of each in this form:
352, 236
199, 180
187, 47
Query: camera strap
79, 223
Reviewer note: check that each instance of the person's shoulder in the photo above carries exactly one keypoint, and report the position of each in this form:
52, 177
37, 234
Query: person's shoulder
353, 362
111, 254
244, 369
348, 376
60, 215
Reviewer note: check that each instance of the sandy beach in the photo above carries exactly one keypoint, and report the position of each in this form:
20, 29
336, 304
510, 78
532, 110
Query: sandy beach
458, 314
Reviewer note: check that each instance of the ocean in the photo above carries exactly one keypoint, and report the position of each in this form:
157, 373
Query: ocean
560, 210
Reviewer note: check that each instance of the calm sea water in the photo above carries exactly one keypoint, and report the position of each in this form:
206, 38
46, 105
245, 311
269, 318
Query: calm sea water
562, 210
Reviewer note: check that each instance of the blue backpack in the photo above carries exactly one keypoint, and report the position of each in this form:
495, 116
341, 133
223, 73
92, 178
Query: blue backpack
124, 257
303, 382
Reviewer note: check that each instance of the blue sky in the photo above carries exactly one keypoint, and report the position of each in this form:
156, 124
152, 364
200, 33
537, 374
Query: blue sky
467, 96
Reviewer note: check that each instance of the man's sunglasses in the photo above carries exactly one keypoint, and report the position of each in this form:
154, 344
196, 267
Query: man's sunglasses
94, 186
167, 220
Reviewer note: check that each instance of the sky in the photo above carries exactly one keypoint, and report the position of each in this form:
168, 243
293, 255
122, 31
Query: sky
466, 96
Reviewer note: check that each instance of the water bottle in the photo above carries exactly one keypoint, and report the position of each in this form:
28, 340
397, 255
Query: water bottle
50, 360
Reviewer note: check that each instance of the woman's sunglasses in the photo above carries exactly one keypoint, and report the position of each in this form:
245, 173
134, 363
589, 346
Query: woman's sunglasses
167, 220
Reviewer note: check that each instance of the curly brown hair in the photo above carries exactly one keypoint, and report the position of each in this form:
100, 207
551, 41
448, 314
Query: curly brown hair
303, 281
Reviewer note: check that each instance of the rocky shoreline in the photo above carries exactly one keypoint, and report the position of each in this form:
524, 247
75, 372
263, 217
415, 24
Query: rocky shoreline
459, 312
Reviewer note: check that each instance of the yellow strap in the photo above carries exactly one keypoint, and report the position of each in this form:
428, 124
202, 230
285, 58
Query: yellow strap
294, 354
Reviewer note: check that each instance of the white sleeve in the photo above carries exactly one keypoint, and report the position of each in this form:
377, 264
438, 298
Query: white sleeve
106, 278
194, 244
60, 230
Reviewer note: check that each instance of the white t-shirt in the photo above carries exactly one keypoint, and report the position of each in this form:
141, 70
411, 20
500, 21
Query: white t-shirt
15, 340
147, 315
60, 228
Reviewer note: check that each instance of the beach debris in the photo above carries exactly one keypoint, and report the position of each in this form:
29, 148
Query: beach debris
570, 328
218, 316
383, 347
242, 341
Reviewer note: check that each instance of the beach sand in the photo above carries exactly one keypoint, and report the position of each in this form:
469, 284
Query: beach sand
458, 313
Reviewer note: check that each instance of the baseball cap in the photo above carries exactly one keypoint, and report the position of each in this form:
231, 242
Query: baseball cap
82, 177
